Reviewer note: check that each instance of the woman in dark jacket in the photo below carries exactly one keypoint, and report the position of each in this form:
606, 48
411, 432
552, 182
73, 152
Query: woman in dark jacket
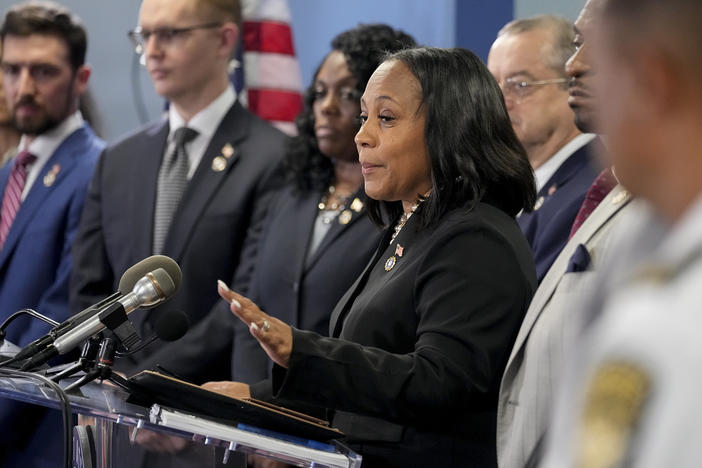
419, 342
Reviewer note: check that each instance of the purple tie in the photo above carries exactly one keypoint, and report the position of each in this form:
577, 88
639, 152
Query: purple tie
13, 193
599, 189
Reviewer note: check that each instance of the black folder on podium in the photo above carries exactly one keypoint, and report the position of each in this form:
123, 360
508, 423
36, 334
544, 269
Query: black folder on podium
150, 387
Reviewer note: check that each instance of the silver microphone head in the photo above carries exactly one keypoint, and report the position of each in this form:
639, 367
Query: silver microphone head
155, 287
138, 270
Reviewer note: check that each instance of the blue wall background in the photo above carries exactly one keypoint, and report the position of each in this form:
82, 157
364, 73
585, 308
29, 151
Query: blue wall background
125, 95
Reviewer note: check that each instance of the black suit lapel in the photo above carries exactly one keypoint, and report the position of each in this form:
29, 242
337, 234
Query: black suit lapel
145, 176
305, 214
336, 321
215, 166
408, 238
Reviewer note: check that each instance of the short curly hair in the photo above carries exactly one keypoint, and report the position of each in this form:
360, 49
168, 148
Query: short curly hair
364, 48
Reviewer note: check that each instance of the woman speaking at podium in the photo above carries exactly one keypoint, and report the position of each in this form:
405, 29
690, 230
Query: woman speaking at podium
417, 346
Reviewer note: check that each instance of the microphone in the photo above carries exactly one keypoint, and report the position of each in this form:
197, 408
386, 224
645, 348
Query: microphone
152, 289
126, 283
171, 325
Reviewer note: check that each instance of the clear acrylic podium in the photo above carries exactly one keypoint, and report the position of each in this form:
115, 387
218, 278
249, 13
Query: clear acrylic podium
113, 422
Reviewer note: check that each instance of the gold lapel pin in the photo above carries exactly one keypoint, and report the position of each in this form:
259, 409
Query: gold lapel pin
345, 217
50, 176
619, 197
390, 263
227, 150
218, 164
356, 205
539, 202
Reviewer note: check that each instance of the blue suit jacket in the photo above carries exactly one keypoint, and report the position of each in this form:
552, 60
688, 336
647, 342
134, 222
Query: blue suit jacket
35, 262
547, 227
35, 266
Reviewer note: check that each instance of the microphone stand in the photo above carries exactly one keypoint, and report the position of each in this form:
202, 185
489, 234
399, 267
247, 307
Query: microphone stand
103, 368
86, 360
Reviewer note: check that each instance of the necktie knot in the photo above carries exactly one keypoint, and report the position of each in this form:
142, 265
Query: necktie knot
183, 136
25, 158
597, 192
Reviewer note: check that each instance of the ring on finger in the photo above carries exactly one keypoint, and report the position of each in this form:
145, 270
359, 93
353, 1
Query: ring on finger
266, 325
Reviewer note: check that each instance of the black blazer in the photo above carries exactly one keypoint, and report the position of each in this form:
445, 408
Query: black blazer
420, 341
547, 227
284, 284
209, 227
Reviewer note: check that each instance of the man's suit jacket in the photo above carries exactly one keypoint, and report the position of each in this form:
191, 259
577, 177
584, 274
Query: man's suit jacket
35, 262
532, 372
35, 266
301, 293
547, 227
209, 226
419, 341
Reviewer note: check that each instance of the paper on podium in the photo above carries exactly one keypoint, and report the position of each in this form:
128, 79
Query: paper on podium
150, 387
260, 443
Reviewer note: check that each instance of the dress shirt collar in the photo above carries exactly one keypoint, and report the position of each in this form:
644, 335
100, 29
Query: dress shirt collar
207, 120
46, 144
544, 172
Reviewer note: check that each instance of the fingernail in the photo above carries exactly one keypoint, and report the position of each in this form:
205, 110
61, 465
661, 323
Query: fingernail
222, 285
236, 303
253, 326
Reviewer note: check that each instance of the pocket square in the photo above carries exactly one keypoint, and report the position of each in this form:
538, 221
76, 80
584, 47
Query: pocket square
579, 261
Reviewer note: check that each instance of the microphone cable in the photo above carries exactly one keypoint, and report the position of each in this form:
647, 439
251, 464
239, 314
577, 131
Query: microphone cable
11, 318
65, 409
21, 312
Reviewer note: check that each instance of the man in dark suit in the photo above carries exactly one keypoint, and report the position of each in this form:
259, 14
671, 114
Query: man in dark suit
189, 186
43, 188
528, 59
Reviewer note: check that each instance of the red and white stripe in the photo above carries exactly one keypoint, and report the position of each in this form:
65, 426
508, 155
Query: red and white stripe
12, 198
272, 82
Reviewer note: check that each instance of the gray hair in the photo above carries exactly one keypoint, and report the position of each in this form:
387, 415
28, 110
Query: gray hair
562, 32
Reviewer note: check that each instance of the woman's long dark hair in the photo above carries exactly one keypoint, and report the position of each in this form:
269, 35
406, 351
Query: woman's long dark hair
475, 154
364, 48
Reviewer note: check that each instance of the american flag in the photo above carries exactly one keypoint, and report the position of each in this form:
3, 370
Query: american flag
270, 84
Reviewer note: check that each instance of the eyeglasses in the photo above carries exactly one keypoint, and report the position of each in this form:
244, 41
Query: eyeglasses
164, 36
519, 88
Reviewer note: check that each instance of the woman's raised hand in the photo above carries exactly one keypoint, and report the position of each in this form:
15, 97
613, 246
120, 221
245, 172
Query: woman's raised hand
274, 336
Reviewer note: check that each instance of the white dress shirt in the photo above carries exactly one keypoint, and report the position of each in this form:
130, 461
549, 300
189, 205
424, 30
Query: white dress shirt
544, 172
